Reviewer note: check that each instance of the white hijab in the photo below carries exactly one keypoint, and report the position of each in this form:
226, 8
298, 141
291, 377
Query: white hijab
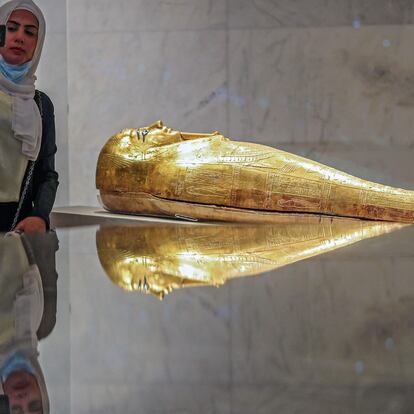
26, 122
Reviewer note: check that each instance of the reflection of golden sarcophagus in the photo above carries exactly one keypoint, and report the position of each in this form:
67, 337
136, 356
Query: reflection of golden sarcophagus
158, 258
156, 170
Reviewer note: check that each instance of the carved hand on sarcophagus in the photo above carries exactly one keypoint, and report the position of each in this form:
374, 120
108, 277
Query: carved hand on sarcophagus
161, 171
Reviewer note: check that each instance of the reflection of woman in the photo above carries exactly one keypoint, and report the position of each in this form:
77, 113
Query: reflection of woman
28, 180
21, 309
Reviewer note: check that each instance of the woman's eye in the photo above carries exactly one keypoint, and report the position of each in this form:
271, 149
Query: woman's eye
30, 34
11, 29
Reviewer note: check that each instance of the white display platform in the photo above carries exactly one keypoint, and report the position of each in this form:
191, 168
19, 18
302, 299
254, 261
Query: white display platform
71, 216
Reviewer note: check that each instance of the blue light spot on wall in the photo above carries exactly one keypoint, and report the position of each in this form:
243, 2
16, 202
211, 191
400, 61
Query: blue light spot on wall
222, 92
237, 100
359, 367
263, 102
356, 24
389, 344
224, 312
166, 76
386, 43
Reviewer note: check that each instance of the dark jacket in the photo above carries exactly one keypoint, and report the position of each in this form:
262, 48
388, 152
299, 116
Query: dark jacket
42, 190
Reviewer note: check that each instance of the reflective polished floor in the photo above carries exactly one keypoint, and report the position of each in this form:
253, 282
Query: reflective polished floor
163, 316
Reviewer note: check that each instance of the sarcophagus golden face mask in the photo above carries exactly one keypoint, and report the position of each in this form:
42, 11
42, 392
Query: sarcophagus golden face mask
157, 170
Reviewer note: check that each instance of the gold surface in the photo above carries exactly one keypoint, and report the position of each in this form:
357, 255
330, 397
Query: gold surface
157, 170
160, 258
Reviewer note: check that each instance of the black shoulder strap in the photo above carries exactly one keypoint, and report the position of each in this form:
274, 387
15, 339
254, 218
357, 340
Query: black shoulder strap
38, 100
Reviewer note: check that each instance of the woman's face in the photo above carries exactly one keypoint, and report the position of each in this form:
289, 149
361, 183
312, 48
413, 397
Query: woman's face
23, 392
21, 37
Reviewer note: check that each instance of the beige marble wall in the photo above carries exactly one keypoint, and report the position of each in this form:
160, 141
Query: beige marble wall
317, 13
332, 80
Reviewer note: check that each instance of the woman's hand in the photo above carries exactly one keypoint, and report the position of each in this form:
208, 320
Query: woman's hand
31, 225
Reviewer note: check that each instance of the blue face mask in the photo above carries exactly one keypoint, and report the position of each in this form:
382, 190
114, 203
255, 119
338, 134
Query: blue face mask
17, 362
14, 73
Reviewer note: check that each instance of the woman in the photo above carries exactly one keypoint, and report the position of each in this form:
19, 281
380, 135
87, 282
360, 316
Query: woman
28, 180
21, 313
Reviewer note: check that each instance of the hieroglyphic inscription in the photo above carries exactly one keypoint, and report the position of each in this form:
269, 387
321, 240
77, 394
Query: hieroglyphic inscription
192, 238
297, 186
293, 234
235, 184
362, 199
326, 197
291, 193
180, 184
388, 201
270, 180
214, 183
